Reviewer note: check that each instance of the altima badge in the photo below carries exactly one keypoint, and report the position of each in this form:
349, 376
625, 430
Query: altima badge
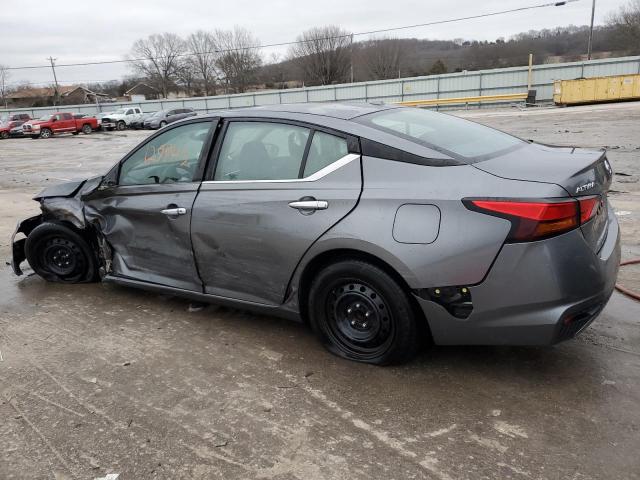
586, 186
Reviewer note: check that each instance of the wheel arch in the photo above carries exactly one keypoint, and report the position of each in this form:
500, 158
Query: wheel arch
334, 255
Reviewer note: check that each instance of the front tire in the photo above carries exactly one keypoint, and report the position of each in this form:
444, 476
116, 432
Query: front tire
59, 254
121, 125
45, 133
162, 124
361, 313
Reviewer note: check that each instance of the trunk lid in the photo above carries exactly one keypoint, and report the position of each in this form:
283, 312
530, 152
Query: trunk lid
580, 172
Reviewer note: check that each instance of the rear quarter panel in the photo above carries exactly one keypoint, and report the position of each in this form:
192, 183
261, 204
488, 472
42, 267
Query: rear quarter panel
467, 242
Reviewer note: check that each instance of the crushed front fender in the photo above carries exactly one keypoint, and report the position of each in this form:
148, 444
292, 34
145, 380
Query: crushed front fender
18, 251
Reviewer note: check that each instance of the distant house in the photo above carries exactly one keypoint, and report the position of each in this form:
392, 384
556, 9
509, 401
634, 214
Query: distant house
42, 97
142, 91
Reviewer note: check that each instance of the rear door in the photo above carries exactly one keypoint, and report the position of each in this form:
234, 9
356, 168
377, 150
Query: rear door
274, 189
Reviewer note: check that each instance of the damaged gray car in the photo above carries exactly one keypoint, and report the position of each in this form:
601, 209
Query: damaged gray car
380, 226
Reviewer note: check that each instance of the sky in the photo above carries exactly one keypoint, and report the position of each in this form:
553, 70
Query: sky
80, 31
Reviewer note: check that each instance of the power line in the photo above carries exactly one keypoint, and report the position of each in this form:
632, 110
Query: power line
295, 42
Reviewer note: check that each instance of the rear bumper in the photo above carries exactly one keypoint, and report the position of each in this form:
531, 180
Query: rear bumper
537, 293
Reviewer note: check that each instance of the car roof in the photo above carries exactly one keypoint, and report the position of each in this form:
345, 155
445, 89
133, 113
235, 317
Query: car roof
338, 110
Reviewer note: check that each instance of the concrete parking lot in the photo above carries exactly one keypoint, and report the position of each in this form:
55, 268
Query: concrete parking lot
98, 379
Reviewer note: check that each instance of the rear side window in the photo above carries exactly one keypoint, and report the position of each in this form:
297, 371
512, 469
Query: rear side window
67, 116
261, 151
445, 133
325, 149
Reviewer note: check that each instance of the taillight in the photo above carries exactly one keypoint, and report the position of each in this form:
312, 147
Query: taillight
540, 219
588, 208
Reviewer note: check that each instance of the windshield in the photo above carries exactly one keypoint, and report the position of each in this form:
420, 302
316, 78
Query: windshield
44, 118
442, 132
120, 111
158, 114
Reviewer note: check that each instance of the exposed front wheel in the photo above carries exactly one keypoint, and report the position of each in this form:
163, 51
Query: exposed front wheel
361, 313
59, 254
86, 129
45, 133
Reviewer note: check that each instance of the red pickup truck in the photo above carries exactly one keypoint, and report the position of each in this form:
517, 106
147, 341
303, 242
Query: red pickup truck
16, 120
60, 122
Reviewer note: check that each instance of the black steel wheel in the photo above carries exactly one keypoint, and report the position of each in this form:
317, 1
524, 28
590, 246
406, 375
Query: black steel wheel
361, 313
59, 254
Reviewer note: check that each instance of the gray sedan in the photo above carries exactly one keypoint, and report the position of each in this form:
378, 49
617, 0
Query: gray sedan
382, 227
165, 117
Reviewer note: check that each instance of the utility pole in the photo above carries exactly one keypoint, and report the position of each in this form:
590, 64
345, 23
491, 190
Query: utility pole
352, 58
593, 11
55, 79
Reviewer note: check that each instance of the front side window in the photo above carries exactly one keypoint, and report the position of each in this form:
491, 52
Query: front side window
261, 151
170, 157
442, 132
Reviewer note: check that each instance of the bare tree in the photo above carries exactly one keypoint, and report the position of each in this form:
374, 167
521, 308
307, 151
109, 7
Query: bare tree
626, 23
323, 54
187, 74
158, 58
4, 76
205, 55
382, 58
239, 57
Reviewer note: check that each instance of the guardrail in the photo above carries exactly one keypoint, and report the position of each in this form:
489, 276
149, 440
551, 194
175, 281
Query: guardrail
465, 100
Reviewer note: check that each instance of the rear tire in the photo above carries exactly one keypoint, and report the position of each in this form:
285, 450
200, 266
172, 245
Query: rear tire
86, 129
59, 254
4, 135
361, 313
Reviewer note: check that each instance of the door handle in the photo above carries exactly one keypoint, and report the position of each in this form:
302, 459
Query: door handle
309, 205
174, 211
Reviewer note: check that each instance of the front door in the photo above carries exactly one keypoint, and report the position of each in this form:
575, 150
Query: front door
276, 188
64, 122
146, 217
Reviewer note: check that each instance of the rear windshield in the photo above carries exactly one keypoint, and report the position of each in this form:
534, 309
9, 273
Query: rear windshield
445, 133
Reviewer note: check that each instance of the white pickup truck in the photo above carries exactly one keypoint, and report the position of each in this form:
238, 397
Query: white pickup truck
121, 118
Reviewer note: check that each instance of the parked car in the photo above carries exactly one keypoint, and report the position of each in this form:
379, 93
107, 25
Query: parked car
138, 124
61, 122
13, 123
121, 118
372, 223
165, 117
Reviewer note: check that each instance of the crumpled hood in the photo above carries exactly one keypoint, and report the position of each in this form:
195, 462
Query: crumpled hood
70, 189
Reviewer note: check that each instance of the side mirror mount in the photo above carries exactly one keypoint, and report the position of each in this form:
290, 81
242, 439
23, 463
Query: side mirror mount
110, 180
